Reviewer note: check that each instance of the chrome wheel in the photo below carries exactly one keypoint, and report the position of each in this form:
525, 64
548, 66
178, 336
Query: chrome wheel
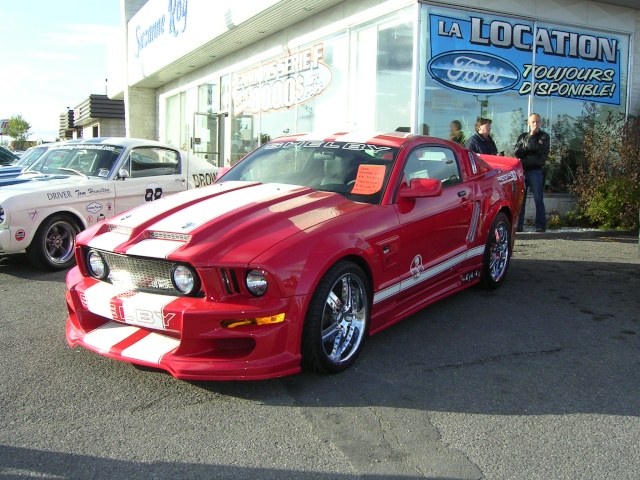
497, 252
337, 319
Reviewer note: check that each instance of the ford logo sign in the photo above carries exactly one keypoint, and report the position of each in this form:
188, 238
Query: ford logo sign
474, 72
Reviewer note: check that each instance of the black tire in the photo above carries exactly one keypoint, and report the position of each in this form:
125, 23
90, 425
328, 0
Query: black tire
54, 243
497, 253
337, 320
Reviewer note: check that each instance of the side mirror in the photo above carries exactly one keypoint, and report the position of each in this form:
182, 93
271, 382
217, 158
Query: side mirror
421, 187
123, 173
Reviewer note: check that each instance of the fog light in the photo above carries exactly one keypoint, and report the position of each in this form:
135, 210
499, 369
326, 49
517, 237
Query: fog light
96, 265
184, 279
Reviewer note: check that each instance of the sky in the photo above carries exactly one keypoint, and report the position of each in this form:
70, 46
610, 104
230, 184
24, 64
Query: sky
53, 55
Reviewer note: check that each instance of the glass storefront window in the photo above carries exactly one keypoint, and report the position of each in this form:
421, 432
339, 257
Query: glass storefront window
477, 64
175, 119
381, 83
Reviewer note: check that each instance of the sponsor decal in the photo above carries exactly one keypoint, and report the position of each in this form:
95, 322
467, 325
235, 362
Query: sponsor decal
59, 195
20, 234
416, 267
285, 82
152, 192
93, 207
507, 177
203, 179
101, 217
33, 214
89, 218
484, 54
109, 207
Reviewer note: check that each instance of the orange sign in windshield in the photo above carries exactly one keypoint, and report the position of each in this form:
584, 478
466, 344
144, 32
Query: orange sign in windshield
369, 179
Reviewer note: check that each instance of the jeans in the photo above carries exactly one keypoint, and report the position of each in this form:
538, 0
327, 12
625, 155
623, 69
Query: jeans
534, 179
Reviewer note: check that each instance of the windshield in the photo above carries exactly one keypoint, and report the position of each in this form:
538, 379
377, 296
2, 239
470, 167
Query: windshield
83, 159
359, 172
30, 156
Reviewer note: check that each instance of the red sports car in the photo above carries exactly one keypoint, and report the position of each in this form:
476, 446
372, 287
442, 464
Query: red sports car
294, 256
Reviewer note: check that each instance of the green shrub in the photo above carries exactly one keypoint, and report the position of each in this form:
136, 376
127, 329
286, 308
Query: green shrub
607, 186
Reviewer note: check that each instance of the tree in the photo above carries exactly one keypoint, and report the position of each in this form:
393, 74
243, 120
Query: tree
18, 129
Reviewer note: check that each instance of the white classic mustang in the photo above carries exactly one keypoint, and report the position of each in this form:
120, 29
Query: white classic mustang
79, 183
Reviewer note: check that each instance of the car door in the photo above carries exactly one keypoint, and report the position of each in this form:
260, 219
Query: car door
152, 173
434, 230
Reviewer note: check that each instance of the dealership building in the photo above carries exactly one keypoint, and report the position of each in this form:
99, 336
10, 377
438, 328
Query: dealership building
219, 78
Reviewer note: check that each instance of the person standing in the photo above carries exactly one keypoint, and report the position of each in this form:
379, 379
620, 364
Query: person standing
455, 132
532, 149
481, 141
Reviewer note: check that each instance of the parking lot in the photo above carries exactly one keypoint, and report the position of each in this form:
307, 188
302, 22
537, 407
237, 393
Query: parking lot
536, 380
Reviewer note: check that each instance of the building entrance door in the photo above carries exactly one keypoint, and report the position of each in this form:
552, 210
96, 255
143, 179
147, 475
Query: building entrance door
208, 137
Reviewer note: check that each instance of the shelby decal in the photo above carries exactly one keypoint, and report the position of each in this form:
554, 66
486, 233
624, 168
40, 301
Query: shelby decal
282, 83
93, 207
177, 12
59, 195
203, 179
33, 214
507, 177
339, 145
485, 54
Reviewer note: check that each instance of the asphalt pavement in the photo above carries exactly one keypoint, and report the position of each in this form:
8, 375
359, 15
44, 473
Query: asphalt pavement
536, 380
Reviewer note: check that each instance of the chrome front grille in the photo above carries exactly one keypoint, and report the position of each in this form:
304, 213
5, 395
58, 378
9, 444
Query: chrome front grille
140, 274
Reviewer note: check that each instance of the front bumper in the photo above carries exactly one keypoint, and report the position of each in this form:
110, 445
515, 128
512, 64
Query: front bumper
183, 335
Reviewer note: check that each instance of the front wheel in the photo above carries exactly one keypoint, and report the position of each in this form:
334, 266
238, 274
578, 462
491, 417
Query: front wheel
53, 244
497, 253
337, 320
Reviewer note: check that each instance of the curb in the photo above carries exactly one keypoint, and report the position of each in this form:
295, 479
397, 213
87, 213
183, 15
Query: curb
578, 233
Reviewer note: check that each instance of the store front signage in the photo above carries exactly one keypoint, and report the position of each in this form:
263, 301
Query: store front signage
485, 55
285, 82
172, 22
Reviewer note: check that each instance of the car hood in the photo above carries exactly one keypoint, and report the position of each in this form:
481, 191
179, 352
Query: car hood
30, 181
225, 223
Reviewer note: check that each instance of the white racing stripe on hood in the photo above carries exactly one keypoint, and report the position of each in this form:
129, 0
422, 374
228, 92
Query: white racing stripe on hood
150, 210
155, 248
190, 218
151, 348
108, 241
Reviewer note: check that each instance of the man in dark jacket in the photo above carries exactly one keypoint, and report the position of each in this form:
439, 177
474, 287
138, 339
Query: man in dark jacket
533, 149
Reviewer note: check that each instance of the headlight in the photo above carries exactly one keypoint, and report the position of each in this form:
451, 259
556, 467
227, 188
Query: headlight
1, 214
96, 265
256, 282
184, 279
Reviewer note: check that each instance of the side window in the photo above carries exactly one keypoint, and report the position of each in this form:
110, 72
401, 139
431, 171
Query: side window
152, 161
433, 162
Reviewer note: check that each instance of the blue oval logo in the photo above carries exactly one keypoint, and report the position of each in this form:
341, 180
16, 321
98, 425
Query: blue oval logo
474, 72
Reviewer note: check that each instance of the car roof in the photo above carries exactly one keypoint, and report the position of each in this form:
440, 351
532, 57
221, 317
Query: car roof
124, 141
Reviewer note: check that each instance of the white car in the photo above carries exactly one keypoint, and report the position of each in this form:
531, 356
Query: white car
77, 184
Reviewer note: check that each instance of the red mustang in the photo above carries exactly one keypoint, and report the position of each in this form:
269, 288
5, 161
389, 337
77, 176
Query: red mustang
291, 259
